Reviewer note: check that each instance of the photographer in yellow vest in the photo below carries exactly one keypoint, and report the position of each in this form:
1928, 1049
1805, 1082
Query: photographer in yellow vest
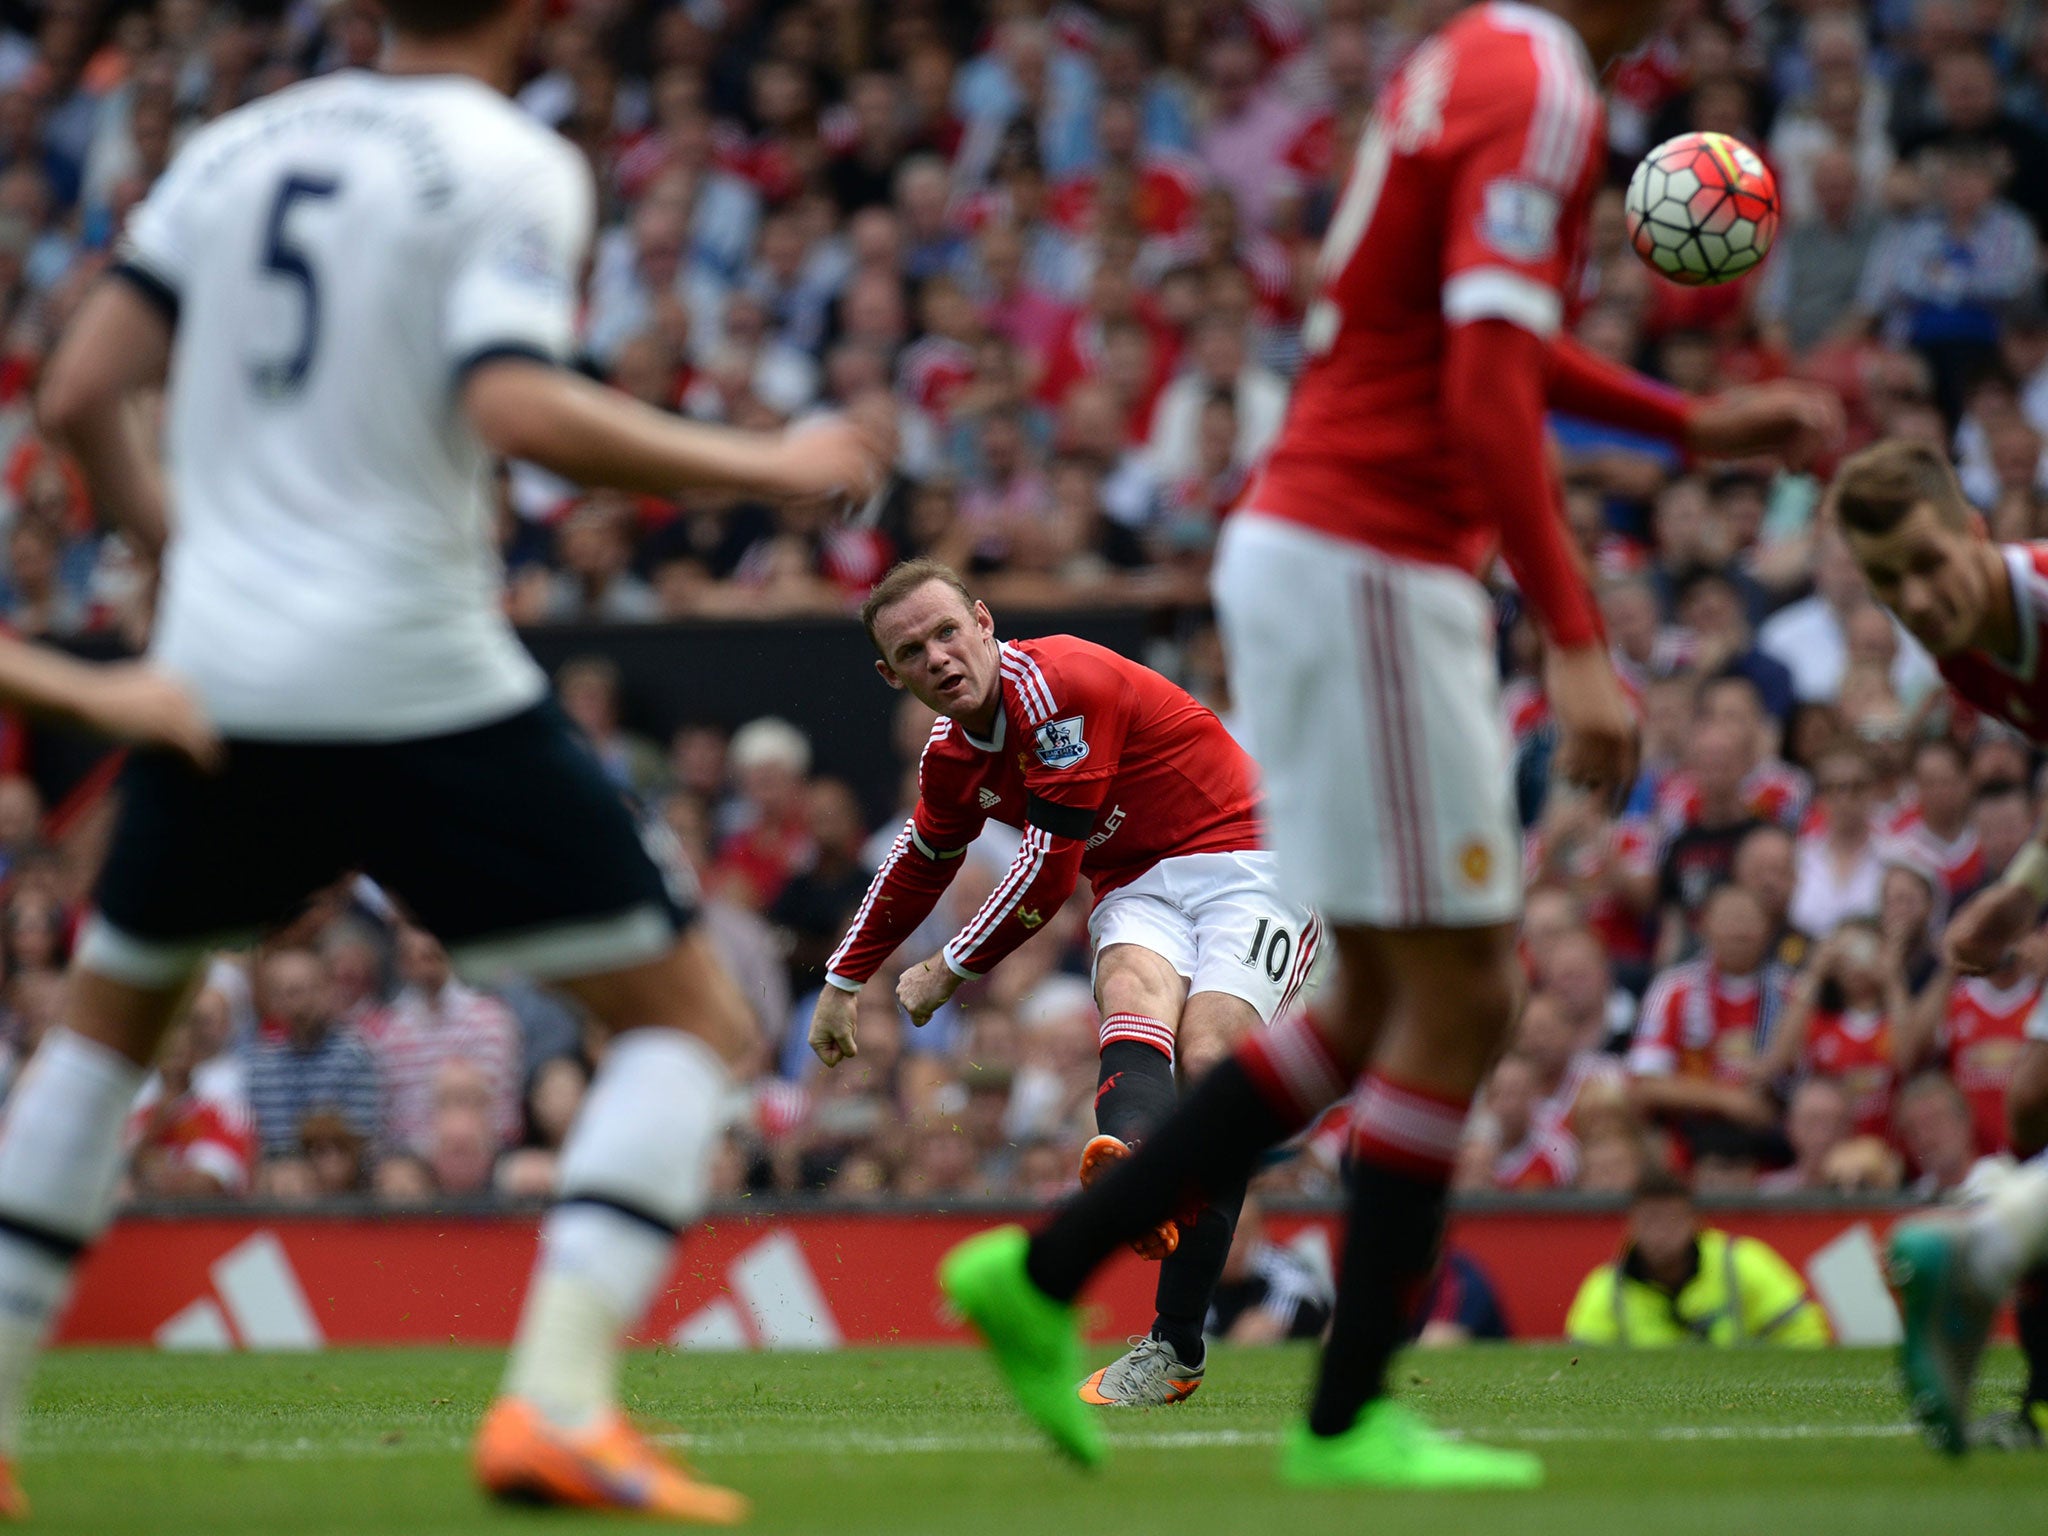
1678, 1282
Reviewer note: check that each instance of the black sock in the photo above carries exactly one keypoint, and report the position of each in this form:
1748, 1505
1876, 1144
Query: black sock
1135, 1091
1188, 1275
2030, 1317
1390, 1246
1209, 1145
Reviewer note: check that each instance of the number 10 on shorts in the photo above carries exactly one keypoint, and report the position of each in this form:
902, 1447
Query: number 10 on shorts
1274, 953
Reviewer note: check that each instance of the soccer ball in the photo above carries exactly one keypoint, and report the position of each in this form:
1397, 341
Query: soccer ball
1702, 208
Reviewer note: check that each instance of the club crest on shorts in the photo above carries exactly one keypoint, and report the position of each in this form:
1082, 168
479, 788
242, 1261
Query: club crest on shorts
1061, 743
1475, 863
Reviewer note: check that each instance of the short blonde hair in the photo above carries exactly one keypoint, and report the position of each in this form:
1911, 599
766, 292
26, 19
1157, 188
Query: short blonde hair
1877, 489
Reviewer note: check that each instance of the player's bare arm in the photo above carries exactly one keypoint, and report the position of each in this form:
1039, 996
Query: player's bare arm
94, 401
1503, 365
525, 409
129, 701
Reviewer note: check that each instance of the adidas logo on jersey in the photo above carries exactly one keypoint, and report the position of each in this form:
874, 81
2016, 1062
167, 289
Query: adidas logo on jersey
990, 799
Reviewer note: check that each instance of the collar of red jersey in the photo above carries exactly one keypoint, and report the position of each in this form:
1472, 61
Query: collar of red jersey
2019, 565
994, 743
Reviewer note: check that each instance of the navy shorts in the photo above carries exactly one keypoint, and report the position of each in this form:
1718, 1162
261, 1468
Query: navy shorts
507, 841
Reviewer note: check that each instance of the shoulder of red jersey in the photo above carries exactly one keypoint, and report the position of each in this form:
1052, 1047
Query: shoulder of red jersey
1055, 675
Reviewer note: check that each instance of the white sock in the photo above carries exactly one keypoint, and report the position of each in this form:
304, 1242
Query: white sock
60, 1158
633, 1173
2009, 1231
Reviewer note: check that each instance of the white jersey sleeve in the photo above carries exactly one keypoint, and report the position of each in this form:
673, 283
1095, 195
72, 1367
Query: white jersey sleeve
158, 245
514, 292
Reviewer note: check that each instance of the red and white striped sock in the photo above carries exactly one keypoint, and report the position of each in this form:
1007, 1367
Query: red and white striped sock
1140, 1030
1411, 1129
1295, 1068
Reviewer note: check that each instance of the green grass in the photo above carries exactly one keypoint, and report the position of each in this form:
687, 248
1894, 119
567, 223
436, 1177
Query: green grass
906, 1441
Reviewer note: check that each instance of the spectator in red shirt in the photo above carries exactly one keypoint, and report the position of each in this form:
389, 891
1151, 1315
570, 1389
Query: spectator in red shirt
184, 1142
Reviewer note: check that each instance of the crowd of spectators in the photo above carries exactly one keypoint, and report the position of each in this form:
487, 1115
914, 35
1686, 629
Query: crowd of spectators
1069, 245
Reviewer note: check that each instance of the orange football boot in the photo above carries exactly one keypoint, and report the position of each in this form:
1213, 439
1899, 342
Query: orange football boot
13, 1502
1096, 1157
522, 1458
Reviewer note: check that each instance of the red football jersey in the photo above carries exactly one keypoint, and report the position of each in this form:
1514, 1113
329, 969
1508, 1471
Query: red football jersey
1771, 791
1546, 1159
1697, 1022
1105, 766
2017, 694
1855, 1048
1467, 201
1981, 1034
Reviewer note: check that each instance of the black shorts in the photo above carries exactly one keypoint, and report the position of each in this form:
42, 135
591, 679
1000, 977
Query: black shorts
506, 841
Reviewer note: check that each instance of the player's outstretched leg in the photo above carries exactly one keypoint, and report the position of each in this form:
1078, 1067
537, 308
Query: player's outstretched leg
634, 1172
1018, 1294
1946, 1317
60, 1159
1404, 1144
1167, 1365
1952, 1269
1456, 991
1134, 1093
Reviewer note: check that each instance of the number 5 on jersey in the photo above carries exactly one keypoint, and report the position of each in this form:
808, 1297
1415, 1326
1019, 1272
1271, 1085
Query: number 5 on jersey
284, 258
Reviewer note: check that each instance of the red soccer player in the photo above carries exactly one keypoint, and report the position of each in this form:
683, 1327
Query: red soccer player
1361, 651
1112, 772
1981, 610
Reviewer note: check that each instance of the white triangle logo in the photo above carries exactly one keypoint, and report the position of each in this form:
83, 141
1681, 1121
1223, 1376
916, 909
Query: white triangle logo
781, 1305
262, 1305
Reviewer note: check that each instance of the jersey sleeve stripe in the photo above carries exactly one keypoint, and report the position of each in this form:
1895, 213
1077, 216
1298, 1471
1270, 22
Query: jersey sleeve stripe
1030, 681
1031, 690
500, 352
158, 291
1559, 130
875, 885
1023, 870
1499, 293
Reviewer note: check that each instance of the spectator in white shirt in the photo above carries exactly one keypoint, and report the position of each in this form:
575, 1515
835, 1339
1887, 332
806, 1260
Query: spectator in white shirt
1811, 637
1840, 870
1220, 363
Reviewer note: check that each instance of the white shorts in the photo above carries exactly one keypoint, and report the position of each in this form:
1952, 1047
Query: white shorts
1369, 694
1220, 921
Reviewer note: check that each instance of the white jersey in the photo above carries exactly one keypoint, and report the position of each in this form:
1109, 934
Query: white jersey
336, 256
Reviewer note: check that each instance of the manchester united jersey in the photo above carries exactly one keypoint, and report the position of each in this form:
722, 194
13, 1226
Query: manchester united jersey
2017, 692
1105, 766
1467, 201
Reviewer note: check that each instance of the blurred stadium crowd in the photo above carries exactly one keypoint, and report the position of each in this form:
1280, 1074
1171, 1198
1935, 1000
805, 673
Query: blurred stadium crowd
1069, 245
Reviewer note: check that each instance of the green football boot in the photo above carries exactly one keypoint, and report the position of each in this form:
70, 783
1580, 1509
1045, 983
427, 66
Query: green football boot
1035, 1340
1389, 1447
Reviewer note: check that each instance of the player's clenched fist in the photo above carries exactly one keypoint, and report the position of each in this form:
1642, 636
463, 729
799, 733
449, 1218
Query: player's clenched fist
924, 989
832, 1025
1596, 747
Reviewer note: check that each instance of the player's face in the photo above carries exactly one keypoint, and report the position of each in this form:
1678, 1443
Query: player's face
1927, 573
939, 649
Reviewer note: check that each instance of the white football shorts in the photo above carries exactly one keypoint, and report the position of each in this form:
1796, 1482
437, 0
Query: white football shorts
1368, 691
1220, 921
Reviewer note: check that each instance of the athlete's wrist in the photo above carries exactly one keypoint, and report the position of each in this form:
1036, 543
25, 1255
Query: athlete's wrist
842, 983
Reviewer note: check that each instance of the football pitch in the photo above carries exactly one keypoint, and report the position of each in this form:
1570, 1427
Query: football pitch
908, 1441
